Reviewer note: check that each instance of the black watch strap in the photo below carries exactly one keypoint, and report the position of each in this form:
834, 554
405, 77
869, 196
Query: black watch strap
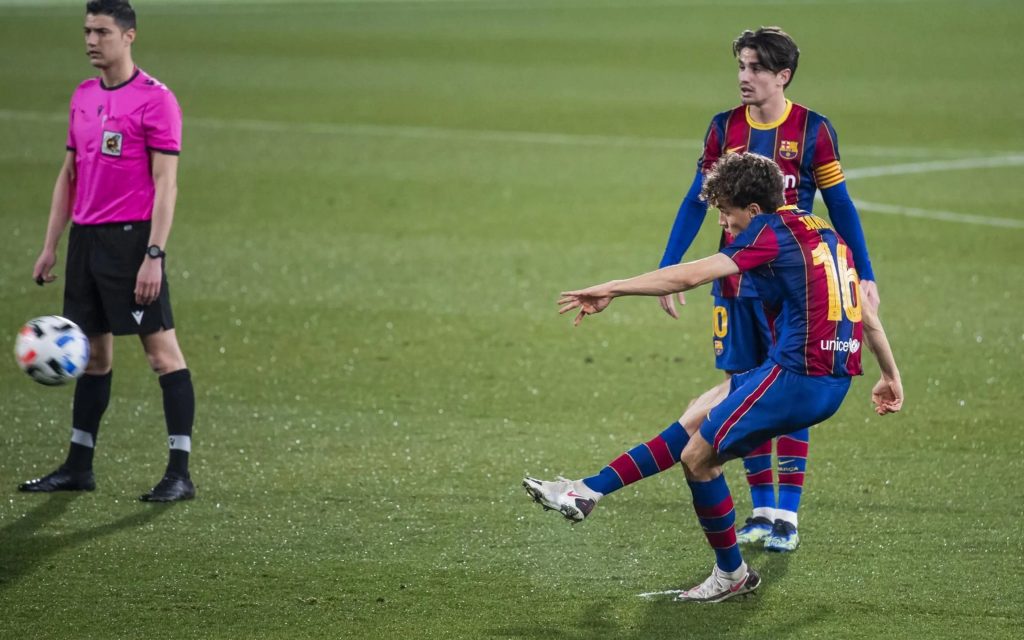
154, 251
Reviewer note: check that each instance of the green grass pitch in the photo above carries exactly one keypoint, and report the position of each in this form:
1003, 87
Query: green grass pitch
379, 202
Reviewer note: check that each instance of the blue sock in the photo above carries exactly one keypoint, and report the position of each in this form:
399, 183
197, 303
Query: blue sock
643, 460
713, 504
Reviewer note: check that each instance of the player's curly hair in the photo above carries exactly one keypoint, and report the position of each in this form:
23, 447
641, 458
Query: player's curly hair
740, 179
120, 10
775, 49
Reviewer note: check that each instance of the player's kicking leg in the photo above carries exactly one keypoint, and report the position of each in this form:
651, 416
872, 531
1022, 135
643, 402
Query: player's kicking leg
576, 499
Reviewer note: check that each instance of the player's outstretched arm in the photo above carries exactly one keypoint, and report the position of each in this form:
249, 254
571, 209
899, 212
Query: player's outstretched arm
663, 282
887, 394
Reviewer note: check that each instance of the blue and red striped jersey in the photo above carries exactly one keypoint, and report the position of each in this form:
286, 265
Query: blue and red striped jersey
805, 276
803, 144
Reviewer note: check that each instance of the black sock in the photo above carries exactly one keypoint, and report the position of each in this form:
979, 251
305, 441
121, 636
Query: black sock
179, 412
92, 395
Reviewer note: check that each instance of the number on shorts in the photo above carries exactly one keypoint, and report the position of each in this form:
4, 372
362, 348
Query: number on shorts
720, 322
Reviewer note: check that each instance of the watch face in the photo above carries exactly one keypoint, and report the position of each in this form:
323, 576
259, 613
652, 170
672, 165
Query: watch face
154, 252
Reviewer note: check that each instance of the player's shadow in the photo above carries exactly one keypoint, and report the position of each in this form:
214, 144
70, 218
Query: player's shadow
662, 616
25, 544
689, 620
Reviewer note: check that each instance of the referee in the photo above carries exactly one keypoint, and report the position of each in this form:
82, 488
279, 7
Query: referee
118, 186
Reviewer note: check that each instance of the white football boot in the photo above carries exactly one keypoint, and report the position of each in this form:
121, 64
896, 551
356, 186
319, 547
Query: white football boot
571, 498
722, 586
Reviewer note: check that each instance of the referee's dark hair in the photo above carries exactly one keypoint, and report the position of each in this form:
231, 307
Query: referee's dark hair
775, 49
740, 179
120, 10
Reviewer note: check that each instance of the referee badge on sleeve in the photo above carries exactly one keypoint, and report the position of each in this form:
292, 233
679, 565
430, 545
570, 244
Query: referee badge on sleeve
111, 143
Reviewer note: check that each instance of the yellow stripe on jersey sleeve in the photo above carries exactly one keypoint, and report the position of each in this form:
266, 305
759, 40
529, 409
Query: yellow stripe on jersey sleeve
829, 175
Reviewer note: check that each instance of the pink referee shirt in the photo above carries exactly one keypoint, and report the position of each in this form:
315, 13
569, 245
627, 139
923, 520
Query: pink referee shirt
112, 131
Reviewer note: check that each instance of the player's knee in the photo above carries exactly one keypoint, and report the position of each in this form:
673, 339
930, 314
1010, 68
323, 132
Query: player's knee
699, 463
163, 353
163, 362
99, 365
165, 358
101, 356
691, 461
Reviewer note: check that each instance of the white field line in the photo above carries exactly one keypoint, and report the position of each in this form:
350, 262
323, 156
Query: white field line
998, 161
400, 131
502, 5
655, 594
526, 137
480, 135
946, 216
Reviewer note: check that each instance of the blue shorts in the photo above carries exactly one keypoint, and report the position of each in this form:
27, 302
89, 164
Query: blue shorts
767, 402
740, 333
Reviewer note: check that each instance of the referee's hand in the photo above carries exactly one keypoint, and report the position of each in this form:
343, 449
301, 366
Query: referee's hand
147, 282
44, 263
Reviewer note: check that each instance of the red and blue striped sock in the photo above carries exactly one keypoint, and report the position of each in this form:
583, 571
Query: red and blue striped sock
713, 504
643, 460
758, 464
792, 454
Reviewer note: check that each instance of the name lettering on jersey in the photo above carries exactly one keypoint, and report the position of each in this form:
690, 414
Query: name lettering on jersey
788, 181
814, 222
111, 143
852, 345
789, 149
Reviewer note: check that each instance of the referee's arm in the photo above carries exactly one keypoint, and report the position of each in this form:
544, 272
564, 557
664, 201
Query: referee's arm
60, 213
165, 183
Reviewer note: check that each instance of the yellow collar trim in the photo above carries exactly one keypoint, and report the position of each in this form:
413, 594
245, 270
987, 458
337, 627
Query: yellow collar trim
770, 125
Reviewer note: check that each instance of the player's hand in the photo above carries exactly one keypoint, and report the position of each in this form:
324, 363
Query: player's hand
869, 293
589, 301
147, 282
669, 305
44, 263
887, 395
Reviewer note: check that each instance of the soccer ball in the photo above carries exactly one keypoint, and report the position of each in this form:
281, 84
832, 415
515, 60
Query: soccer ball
52, 350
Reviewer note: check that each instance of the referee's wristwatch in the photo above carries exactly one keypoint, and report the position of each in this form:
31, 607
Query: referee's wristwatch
155, 252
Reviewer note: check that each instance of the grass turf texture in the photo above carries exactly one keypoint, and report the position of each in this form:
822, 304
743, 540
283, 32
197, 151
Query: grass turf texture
369, 316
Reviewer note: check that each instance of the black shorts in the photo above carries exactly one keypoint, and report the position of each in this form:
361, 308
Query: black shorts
99, 294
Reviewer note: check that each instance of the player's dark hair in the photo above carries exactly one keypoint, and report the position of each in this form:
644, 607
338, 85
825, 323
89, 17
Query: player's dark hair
775, 49
740, 179
120, 10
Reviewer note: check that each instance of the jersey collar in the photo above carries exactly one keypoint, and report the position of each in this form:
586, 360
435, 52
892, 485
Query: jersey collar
770, 125
135, 74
